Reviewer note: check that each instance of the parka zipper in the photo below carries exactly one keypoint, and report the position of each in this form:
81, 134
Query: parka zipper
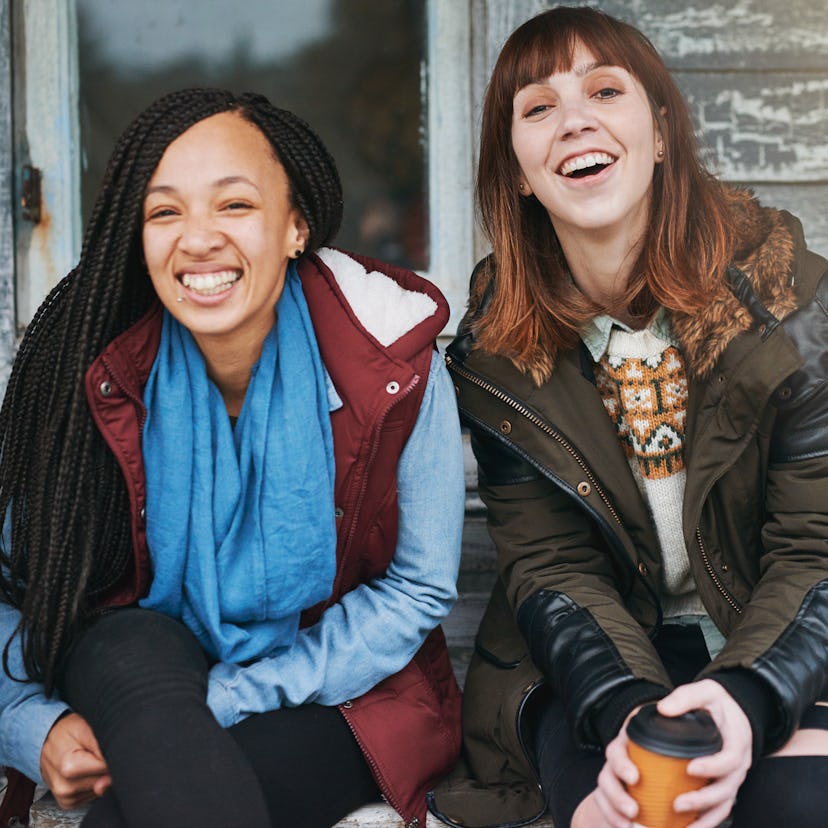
612, 537
539, 423
529, 758
714, 577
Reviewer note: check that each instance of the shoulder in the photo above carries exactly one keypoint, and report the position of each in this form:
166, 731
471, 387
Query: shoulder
772, 276
393, 305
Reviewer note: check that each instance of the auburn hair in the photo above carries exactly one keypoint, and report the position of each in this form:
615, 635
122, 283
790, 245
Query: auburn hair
67, 535
525, 306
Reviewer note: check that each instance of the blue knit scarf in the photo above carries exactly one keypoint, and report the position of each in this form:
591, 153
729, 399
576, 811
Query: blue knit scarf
240, 524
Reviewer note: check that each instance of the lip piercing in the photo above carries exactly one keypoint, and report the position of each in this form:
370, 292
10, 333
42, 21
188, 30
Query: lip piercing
179, 299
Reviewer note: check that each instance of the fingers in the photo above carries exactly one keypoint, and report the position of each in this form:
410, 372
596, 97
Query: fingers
727, 768
102, 784
616, 805
71, 763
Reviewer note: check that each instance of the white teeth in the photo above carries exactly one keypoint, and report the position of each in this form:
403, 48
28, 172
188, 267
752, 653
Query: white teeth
581, 162
209, 284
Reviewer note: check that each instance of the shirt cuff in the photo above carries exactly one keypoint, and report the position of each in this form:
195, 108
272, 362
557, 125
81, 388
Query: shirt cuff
27, 726
757, 701
220, 702
612, 713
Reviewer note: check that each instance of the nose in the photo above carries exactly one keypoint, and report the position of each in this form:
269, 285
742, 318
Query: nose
576, 117
199, 236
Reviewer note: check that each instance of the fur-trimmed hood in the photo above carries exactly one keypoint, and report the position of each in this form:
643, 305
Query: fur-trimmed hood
767, 244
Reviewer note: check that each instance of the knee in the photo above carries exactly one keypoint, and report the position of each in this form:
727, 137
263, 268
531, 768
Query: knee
787, 790
129, 653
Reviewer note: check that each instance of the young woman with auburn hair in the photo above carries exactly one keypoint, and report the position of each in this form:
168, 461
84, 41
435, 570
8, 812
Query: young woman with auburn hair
642, 371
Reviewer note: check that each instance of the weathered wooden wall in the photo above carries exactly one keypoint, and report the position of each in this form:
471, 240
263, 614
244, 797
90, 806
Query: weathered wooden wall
755, 74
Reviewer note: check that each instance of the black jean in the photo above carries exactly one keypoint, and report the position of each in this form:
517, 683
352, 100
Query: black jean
777, 792
140, 680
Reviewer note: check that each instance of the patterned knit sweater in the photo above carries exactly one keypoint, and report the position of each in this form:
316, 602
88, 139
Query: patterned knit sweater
643, 384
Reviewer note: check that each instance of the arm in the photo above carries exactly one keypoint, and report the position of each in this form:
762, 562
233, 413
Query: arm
782, 635
565, 586
26, 713
375, 629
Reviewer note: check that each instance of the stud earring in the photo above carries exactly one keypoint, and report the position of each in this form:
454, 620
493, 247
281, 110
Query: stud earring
297, 253
522, 187
660, 152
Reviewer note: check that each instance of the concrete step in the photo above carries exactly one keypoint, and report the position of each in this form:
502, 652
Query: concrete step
46, 814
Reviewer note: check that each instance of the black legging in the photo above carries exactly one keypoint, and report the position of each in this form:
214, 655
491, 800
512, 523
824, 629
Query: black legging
778, 791
140, 680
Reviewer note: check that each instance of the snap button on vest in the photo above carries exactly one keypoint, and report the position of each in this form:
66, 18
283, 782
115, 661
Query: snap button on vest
338, 512
348, 704
506, 427
584, 488
105, 388
393, 387
642, 568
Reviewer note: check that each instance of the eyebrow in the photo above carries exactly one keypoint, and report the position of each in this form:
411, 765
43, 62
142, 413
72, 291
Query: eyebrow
581, 71
585, 68
221, 182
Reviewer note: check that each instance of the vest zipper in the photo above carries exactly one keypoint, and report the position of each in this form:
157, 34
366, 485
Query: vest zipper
714, 577
375, 771
539, 423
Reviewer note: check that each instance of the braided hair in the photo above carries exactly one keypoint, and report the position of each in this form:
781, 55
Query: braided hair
67, 534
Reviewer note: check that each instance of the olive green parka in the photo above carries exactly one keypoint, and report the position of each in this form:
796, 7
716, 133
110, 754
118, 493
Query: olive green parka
578, 597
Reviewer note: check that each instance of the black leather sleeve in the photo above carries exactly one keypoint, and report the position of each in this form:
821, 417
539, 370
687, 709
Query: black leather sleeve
796, 666
498, 464
801, 429
579, 661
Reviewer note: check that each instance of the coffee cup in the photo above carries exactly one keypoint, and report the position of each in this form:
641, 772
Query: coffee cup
661, 747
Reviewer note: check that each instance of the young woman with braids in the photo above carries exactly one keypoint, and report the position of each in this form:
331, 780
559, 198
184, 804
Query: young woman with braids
643, 371
232, 478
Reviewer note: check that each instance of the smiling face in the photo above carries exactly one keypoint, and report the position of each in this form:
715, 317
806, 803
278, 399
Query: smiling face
219, 228
587, 144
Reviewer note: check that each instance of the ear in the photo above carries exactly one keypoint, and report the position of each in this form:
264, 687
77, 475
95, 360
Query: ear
299, 234
659, 138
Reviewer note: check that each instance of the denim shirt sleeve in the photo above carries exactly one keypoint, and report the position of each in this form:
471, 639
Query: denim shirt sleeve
26, 714
375, 629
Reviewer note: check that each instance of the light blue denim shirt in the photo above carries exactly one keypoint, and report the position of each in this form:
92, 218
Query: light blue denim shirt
370, 634
596, 333
376, 628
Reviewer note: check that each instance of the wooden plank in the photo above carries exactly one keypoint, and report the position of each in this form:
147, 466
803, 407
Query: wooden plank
768, 127
705, 34
809, 203
708, 34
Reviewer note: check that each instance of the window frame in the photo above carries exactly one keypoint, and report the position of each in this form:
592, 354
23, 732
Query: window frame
46, 89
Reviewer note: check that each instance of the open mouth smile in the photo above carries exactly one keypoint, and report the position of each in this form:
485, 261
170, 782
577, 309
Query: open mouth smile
209, 284
590, 163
